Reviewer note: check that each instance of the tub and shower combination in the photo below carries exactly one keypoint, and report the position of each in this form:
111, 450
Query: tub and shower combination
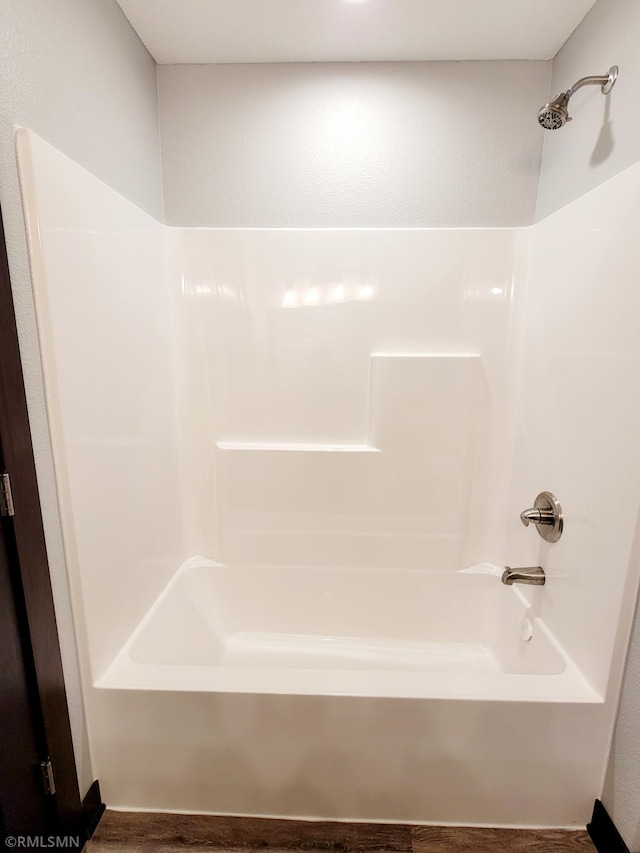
344, 426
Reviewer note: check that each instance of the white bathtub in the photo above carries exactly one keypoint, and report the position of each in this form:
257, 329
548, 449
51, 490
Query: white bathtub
347, 694
350, 632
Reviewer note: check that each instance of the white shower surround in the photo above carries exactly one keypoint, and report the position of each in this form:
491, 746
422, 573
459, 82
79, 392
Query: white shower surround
128, 413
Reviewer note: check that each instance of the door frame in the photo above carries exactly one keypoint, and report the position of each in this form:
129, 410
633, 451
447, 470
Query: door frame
74, 816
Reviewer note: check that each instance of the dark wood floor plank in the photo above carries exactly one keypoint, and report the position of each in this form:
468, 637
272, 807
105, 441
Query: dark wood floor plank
437, 839
165, 831
134, 832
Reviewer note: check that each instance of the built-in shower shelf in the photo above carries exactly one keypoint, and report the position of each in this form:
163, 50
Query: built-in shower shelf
296, 447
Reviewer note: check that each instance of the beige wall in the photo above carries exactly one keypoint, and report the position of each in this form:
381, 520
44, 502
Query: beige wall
352, 144
75, 72
621, 795
604, 136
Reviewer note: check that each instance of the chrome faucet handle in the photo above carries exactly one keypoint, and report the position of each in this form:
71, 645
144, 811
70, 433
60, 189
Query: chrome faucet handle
537, 516
546, 515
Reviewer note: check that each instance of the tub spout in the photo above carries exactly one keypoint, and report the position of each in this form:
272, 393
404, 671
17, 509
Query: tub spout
529, 574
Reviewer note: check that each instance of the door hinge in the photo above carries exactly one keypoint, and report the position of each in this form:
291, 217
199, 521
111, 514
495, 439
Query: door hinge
47, 776
6, 498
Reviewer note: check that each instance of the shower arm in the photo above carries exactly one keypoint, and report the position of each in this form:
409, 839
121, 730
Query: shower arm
605, 81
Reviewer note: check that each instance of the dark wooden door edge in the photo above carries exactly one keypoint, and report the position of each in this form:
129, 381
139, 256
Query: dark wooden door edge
92, 810
603, 832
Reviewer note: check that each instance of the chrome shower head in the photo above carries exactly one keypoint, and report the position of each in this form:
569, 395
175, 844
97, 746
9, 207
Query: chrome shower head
555, 114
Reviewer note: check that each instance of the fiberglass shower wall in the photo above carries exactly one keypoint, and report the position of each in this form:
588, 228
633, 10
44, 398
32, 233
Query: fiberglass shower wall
578, 420
347, 399
333, 397
105, 310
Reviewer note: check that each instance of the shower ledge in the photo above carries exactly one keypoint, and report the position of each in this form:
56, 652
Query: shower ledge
296, 447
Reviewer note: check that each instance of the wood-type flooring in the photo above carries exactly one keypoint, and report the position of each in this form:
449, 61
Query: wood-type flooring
140, 832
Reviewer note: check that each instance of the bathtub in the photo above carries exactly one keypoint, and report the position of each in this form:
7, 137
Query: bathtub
348, 694
346, 632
